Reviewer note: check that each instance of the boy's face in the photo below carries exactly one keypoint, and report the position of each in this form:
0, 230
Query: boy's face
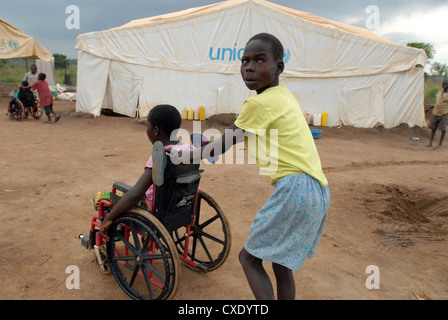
258, 67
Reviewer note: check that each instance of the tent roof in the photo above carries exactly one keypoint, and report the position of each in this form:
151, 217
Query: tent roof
319, 47
14, 43
197, 11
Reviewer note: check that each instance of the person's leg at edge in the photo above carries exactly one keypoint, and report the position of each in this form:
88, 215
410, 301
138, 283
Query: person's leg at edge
442, 136
286, 287
256, 275
47, 111
56, 116
433, 133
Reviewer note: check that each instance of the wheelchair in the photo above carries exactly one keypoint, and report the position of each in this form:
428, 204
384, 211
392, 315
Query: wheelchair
147, 246
16, 110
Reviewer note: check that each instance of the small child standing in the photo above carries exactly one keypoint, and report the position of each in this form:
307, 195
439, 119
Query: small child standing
439, 116
31, 77
288, 228
45, 97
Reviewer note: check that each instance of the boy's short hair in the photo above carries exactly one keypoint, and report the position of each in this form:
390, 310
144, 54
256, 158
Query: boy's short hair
41, 76
272, 41
25, 83
166, 117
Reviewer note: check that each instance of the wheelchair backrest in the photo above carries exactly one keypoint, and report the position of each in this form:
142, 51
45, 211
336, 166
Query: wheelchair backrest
175, 199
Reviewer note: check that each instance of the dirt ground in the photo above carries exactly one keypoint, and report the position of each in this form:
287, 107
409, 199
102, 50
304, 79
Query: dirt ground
389, 208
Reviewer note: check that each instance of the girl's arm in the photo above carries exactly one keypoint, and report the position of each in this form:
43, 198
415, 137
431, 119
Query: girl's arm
128, 201
231, 136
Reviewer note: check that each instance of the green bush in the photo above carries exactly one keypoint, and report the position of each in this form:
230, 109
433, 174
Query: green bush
432, 86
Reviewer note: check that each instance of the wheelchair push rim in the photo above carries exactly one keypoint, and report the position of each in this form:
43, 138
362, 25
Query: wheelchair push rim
208, 240
143, 257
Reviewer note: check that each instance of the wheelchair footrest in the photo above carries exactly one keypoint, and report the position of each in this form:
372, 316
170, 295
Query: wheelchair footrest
202, 268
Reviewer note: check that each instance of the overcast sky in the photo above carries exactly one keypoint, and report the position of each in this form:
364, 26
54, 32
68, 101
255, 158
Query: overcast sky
401, 21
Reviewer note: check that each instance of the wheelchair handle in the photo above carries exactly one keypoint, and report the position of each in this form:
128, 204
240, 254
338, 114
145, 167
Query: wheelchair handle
174, 156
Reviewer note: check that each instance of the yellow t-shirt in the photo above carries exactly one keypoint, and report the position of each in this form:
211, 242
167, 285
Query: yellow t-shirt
279, 138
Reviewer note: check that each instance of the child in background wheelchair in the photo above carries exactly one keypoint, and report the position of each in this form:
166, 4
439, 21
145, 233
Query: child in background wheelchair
24, 103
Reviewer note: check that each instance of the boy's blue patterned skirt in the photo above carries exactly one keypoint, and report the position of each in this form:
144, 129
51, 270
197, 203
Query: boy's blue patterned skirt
288, 228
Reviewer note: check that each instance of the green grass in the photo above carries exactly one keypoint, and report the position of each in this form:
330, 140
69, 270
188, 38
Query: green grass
12, 71
432, 86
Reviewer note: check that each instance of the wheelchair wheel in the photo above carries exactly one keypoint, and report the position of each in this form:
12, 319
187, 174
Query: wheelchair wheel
143, 258
209, 244
36, 111
15, 109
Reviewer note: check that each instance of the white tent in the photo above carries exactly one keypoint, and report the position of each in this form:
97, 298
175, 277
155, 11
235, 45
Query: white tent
191, 58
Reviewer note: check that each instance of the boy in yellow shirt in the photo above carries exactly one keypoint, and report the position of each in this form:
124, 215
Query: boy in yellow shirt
288, 228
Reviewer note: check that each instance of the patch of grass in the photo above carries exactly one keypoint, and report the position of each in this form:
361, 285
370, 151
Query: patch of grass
432, 86
12, 71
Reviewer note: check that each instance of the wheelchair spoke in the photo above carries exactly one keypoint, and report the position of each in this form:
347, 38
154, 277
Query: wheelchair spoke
206, 223
146, 243
154, 271
123, 258
135, 236
207, 252
209, 236
134, 275
127, 243
147, 281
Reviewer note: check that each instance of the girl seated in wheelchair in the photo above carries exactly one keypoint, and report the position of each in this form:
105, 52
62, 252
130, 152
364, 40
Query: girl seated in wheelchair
161, 122
26, 96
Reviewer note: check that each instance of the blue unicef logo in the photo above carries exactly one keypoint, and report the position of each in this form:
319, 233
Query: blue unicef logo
13, 44
235, 54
